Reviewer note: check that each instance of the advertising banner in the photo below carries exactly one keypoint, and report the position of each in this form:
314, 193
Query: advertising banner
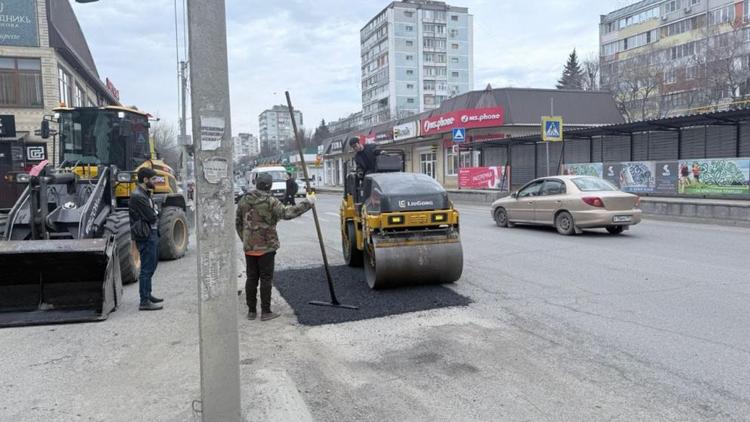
484, 178
405, 131
724, 177
612, 173
472, 118
666, 177
379, 137
638, 177
585, 169
18, 25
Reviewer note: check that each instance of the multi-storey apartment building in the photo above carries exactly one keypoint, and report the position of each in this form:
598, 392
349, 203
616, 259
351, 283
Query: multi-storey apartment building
245, 145
353, 121
669, 57
276, 128
415, 54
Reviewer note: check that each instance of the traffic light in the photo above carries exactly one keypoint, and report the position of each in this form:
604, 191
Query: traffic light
45, 129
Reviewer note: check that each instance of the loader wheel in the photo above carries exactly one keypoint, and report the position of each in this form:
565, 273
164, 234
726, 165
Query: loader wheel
352, 255
173, 233
118, 224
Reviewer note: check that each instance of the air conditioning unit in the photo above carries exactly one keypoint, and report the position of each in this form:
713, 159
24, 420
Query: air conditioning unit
688, 9
663, 17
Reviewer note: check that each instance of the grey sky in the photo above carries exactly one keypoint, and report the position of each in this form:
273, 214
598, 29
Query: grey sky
311, 48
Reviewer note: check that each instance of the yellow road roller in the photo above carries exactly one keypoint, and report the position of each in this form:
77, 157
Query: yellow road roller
400, 226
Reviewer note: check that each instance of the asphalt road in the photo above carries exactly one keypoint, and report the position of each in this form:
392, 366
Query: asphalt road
649, 325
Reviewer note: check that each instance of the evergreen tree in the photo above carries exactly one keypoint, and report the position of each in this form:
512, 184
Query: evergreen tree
572, 76
321, 133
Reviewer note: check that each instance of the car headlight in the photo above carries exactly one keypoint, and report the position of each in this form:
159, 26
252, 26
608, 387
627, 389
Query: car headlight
124, 177
23, 178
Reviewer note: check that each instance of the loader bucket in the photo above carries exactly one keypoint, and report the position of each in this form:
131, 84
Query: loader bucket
58, 281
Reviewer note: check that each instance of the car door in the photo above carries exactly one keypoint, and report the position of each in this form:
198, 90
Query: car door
549, 201
522, 209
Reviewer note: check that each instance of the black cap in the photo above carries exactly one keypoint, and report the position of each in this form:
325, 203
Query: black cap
145, 172
353, 141
263, 181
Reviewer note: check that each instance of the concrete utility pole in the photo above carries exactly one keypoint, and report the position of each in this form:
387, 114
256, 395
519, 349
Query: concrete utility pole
183, 125
217, 288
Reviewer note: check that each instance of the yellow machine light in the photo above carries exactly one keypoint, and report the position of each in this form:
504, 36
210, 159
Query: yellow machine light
438, 218
395, 219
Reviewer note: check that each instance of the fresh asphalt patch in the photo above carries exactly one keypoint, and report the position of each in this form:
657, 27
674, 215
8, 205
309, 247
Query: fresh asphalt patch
300, 286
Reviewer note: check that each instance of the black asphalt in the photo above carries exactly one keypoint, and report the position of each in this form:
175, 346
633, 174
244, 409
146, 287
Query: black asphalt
300, 286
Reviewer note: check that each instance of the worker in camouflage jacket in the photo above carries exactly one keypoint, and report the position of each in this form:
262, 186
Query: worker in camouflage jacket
258, 212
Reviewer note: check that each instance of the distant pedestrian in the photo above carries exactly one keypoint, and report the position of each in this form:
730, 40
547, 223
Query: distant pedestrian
696, 172
144, 229
291, 190
258, 212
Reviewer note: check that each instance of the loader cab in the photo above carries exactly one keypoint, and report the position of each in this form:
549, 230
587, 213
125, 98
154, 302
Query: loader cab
103, 136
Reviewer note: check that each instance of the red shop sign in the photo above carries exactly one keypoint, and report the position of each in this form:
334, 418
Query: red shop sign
472, 118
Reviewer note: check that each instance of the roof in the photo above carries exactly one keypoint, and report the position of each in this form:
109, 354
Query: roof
66, 36
672, 124
525, 106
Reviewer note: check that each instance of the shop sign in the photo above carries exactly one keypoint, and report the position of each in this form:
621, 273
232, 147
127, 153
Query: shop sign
469, 119
405, 131
18, 26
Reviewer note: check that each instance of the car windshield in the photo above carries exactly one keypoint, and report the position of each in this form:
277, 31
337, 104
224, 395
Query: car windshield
593, 184
277, 175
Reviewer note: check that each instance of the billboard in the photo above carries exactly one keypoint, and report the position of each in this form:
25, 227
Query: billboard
18, 26
405, 131
718, 177
724, 177
468, 119
484, 178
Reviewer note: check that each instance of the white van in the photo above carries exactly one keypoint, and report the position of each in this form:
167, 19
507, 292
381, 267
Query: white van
278, 173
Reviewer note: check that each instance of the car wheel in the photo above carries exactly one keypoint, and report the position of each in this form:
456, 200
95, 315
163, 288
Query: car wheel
501, 217
564, 223
615, 229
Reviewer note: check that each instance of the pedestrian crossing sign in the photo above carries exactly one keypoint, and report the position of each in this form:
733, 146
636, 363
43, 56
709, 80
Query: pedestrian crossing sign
552, 128
459, 134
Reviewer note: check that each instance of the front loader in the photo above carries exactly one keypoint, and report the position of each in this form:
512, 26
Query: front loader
68, 248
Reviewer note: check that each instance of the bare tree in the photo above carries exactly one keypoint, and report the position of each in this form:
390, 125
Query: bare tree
164, 135
635, 85
591, 73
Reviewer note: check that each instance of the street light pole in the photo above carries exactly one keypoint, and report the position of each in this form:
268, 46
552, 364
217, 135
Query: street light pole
215, 232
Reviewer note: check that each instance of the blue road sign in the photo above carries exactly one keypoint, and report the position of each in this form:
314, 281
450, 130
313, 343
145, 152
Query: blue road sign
552, 128
459, 134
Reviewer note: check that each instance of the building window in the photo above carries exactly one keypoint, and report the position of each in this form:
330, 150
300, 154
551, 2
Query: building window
78, 97
454, 74
409, 57
20, 82
454, 59
454, 46
409, 72
408, 13
454, 18
409, 86
454, 33
451, 163
429, 100
64, 82
409, 43
672, 6
722, 15
409, 28
410, 100
427, 161
669, 76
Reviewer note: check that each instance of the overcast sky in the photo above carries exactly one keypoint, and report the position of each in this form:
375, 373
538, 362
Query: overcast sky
311, 48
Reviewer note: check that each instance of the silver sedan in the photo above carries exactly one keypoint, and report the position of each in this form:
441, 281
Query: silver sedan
570, 204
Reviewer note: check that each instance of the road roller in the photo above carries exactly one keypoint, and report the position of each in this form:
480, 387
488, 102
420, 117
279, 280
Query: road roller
400, 226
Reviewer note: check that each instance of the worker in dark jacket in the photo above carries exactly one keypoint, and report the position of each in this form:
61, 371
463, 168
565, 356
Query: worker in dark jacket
144, 229
366, 156
291, 189
258, 212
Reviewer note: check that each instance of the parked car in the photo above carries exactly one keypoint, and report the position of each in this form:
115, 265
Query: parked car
302, 186
569, 203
